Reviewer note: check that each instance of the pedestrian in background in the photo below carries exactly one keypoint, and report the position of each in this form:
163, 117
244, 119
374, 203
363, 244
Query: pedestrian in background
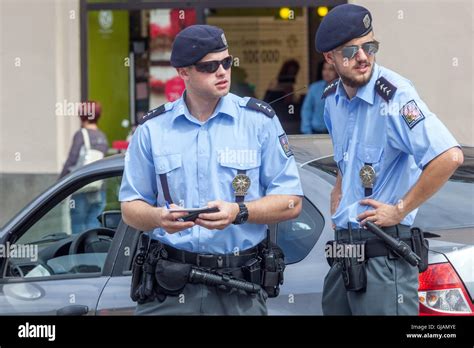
88, 144
312, 120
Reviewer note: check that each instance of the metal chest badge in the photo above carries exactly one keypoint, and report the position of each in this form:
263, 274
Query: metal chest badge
367, 176
241, 184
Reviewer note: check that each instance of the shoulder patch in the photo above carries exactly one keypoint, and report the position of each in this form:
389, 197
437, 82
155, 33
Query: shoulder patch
412, 114
285, 144
385, 89
261, 106
331, 88
152, 114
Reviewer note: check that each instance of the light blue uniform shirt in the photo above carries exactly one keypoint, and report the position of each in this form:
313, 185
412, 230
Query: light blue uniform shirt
312, 111
398, 138
201, 159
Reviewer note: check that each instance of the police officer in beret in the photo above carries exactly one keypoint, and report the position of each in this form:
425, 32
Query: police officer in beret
209, 148
392, 154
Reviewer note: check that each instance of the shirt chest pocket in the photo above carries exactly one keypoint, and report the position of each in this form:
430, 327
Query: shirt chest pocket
370, 154
169, 168
248, 167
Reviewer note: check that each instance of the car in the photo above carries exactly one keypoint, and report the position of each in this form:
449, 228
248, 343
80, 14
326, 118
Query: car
49, 271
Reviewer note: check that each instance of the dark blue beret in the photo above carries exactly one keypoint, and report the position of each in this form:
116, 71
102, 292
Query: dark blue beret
194, 42
342, 24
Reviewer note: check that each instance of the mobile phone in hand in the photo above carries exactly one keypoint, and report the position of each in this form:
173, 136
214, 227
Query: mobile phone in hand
194, 214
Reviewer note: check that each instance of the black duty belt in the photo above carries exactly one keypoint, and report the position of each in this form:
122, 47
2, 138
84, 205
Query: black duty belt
377, 247
211, 260
397, 231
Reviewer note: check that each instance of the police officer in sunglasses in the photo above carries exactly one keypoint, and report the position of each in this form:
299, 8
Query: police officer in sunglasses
392, 154
209, 148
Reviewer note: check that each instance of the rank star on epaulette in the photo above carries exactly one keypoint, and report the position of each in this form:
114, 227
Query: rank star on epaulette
153, 113
331, 88
261, 106
412, 114
385, 89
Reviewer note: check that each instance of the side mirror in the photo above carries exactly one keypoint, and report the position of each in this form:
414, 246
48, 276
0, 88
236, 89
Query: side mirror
110, 219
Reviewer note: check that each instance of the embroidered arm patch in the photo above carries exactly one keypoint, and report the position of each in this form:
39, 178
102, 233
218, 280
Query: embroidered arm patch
412, 114
285, 145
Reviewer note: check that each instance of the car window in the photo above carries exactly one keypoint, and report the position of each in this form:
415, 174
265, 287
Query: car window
59, 242
298, 236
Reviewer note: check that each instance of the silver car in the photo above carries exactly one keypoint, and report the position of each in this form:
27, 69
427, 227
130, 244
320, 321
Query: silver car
46, 270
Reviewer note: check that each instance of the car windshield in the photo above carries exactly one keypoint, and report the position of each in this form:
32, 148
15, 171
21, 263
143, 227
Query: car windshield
452, 207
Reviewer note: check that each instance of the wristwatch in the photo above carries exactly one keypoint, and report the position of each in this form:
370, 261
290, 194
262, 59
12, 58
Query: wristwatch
242, 216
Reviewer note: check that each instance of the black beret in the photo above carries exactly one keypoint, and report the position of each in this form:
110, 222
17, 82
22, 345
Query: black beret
194, 42
342, 24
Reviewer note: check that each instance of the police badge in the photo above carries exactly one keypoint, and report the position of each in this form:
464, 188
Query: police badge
241, 184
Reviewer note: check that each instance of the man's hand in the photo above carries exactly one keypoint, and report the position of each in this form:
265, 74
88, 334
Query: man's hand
221, 219
168, 221
384, 214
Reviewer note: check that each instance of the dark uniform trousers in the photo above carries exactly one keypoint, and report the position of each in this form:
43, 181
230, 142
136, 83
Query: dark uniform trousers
200, 299
392, 289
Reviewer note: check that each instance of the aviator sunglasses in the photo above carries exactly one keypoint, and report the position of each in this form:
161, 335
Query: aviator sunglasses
369, 48
211, 66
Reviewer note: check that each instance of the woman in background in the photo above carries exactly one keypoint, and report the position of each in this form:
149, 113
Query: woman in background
87, 203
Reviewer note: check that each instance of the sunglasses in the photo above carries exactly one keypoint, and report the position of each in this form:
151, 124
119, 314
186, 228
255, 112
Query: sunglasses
211, 66
369, 48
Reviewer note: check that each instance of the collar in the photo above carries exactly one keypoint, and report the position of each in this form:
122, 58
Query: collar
223, 107
366, 92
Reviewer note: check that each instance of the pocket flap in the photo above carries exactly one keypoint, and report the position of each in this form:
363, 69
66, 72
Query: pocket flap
167, 163
369, 153
243, 161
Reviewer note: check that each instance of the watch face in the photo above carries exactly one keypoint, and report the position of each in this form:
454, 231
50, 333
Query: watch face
367, 175
241, 184
242, 216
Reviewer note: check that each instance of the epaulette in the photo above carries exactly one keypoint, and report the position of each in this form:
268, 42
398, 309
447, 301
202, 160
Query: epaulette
385, 89
331, 88
261, 106
153, 113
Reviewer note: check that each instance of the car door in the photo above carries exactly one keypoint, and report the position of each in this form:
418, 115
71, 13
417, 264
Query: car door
62, 261
115, 298
297, 237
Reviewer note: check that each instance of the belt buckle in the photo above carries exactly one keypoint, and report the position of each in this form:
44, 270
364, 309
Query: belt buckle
204, 257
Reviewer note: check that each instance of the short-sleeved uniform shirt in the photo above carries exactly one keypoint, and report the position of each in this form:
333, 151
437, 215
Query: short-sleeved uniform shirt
201, 159
386, 125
